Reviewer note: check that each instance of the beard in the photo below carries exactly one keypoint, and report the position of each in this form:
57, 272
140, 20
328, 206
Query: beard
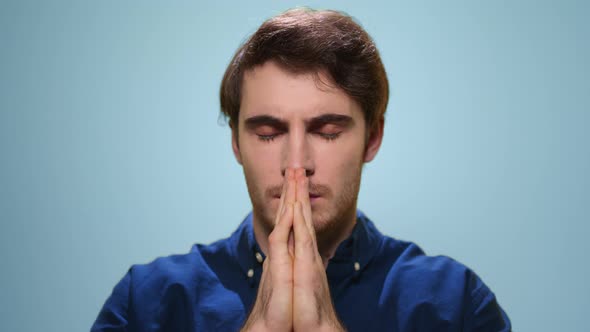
334, 216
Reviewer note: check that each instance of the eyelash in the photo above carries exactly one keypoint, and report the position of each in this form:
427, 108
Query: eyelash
327, 137
267, 138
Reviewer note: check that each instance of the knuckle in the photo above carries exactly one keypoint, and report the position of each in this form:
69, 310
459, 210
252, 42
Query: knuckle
272, 239
306, 243
275, 240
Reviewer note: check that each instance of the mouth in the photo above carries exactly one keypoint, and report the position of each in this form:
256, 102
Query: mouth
312, 197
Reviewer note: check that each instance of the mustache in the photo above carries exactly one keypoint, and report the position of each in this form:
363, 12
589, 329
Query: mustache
314, 189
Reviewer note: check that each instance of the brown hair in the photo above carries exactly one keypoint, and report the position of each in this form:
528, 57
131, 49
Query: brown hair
303, 40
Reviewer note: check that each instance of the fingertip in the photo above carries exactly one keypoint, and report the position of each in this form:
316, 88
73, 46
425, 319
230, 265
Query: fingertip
301, 173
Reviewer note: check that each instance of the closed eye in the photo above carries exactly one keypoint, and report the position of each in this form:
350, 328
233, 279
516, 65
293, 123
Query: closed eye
328, 131
267, 133
267, 138
330, 126
265, 127
329, 136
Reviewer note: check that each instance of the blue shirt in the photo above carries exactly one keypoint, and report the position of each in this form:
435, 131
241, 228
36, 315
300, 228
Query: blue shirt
377, 283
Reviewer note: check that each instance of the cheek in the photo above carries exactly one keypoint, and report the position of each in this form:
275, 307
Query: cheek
339, 162
261, 164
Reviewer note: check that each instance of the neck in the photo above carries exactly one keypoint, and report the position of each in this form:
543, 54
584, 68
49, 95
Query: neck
328, 239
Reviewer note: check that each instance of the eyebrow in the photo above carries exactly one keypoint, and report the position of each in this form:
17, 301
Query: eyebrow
330, 118
312, 124
264, 120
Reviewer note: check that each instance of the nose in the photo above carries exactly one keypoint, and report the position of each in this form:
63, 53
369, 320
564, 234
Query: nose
297, 152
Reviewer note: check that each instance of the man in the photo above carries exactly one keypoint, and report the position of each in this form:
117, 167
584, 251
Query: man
305, 97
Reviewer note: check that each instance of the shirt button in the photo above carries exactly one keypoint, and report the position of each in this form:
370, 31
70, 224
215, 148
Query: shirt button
357, 266
259, 257
250, 273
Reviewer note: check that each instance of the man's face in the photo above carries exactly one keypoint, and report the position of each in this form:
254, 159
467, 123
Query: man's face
288, 120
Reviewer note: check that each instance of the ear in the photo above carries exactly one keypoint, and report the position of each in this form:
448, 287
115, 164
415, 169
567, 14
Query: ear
374, 141
235, 146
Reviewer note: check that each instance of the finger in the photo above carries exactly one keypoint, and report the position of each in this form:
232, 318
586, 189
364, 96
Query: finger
282, 204
279, 237
302, 186
290, 196
281, 207
291, 244
303, 198
304, 243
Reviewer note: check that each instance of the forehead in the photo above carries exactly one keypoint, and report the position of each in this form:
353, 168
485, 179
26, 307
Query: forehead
271, 90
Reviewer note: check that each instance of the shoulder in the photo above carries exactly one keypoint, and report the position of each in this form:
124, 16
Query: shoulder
407, 269
440, 286
407, 261
149, 294
180, 268
202, 265
410, 266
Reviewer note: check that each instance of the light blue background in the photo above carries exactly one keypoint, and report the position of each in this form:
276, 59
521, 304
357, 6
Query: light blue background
112, 152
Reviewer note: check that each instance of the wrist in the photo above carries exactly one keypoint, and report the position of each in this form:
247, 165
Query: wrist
332, 328
253, 327
333, 325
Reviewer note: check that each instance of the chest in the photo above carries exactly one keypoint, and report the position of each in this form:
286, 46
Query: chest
212, 305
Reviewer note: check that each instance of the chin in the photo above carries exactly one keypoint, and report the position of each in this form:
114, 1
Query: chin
325, 222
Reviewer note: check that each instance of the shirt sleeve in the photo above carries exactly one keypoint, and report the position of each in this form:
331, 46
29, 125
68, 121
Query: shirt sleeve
113, 317
484, 314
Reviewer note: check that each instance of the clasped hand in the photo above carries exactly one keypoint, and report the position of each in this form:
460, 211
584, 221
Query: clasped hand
293, 294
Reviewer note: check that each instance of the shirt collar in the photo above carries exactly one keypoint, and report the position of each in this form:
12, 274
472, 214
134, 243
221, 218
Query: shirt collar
350, 259
354, 254
247, 252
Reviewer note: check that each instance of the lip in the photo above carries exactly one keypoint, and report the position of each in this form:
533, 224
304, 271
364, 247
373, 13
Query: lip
312, 197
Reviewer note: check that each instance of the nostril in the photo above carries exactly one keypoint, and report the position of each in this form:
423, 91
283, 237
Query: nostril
308, 172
